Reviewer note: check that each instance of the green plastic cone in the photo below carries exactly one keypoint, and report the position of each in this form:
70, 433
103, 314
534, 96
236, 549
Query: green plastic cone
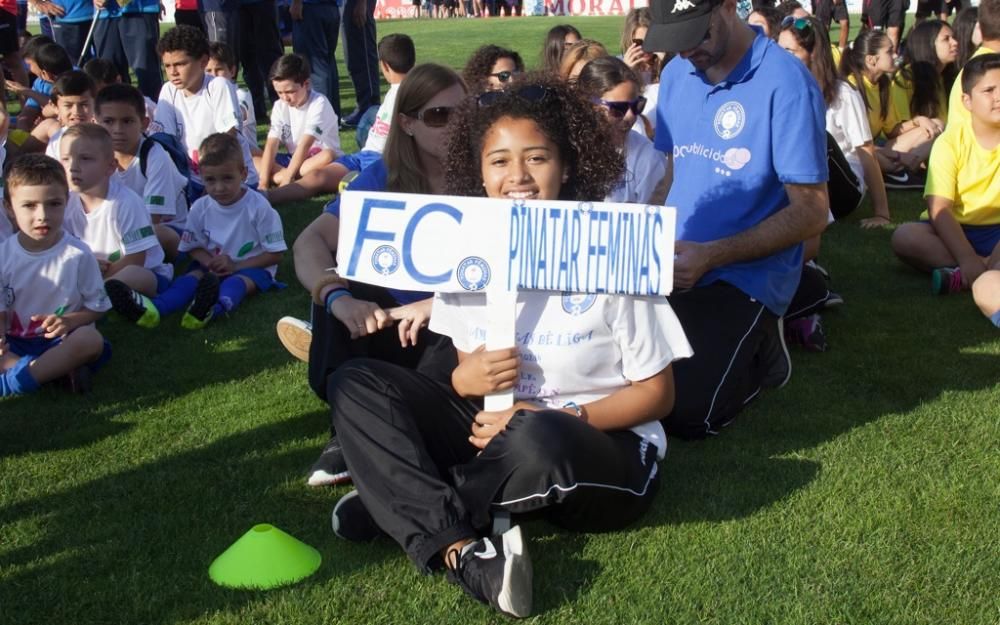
264, 557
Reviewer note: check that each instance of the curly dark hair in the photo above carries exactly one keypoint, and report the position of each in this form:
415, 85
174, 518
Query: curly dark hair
567, 119
479, 66
183, 38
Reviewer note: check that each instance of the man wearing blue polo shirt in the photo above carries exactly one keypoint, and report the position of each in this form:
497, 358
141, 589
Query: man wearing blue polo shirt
743, 124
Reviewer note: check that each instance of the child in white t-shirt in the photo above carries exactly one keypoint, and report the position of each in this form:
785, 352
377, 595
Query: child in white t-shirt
107, 216
397, 57
303, 120
221, 62
51, 291
591, 376
73, 96
614, 88
233, 235
193, 105
149, 172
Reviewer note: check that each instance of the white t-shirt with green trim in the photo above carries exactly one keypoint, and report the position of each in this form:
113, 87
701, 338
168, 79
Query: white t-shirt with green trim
118, 227
244, 229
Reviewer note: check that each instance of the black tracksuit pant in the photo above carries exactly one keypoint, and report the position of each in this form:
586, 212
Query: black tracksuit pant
405, 440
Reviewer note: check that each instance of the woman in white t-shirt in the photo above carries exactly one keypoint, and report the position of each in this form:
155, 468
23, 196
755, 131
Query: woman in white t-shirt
614, 89
646, 65
591, 376
846, 115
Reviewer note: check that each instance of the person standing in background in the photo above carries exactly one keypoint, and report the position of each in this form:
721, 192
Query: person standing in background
260, 47
315, 27
126, 34
361, 52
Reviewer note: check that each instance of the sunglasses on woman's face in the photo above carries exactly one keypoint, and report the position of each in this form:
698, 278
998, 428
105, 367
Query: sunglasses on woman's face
800, 23
504, 76
619, 109
435, 117
530, 93
638, 42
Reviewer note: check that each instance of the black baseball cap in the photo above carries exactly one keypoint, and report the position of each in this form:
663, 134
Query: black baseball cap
678, 24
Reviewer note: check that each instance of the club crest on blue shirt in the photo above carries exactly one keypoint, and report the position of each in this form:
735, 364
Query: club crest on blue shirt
577, 303
729, 120
385, 259
473, 273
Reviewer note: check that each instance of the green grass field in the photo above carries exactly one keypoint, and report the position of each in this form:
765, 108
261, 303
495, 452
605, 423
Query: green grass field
866, 491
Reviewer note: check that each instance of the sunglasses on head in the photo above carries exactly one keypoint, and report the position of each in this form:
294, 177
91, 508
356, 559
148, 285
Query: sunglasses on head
435, 117
505, 75
529, 93
800, 23
619, 109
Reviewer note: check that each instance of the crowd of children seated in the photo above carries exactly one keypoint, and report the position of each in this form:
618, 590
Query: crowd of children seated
113, 201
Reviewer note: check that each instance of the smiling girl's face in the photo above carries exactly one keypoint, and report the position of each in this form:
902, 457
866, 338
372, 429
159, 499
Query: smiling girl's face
520, 163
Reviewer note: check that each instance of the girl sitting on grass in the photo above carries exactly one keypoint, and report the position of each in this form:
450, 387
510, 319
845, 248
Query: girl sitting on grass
580, 445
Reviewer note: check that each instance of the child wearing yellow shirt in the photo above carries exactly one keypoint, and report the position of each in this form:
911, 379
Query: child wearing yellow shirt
960, 243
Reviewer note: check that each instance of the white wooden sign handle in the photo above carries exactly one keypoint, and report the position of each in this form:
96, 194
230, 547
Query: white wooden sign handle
499, 335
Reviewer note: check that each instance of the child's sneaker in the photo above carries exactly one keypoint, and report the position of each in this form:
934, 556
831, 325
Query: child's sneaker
199, 313
132, 305
296, 336
497, 571
352, 521
330, 468
946, 280
807, 332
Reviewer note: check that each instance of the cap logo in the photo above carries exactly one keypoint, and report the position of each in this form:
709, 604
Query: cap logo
682, 5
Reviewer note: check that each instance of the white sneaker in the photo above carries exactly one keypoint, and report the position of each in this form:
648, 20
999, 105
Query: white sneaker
296, 336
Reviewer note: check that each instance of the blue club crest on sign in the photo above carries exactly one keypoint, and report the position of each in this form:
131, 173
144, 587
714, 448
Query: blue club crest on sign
473, 273
385, 259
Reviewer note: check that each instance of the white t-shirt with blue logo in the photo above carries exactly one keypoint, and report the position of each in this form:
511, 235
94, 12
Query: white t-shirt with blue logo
735, 145
575, 347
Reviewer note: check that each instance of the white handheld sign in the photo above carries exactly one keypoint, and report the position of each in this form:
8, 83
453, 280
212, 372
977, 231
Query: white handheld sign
449, 244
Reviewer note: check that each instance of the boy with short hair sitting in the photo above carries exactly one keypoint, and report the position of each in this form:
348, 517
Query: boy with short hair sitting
960, 244
46, 333
303, 120
397, 56
235, 238
110, 218
103, 72
193, 105
121, 110
221, 62
73, 98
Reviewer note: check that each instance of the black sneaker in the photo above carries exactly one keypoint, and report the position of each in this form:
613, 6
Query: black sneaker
352, 521
330, 468
205, 296
904, 180
775, 361
497, 571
